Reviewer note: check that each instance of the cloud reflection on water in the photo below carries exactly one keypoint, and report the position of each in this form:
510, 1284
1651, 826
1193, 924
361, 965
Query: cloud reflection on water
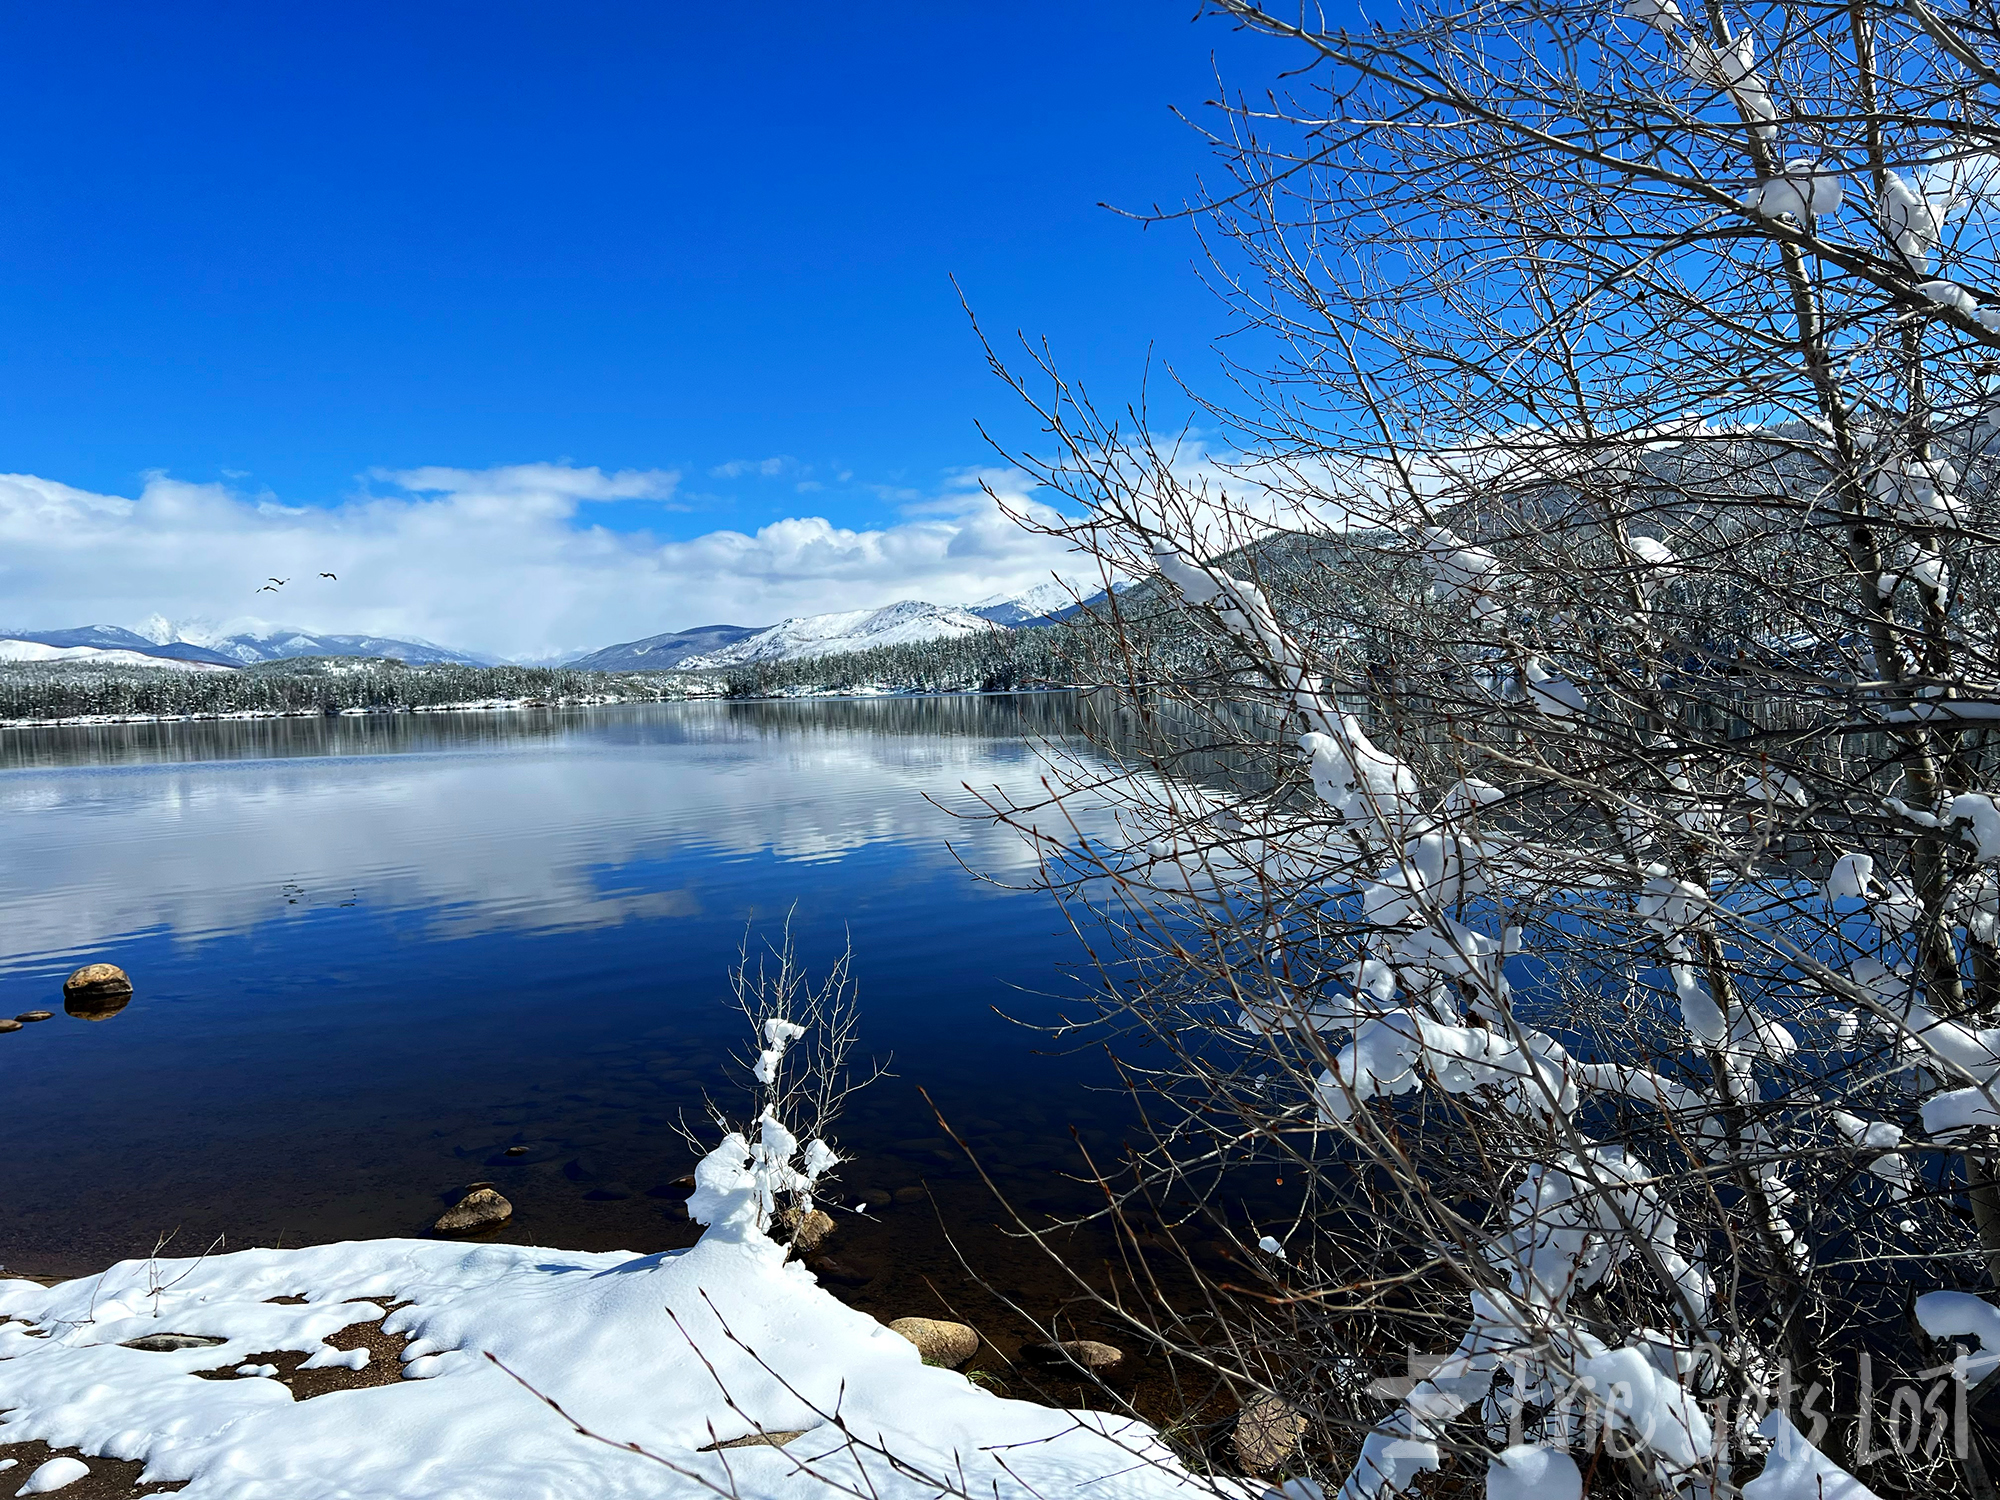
547, 823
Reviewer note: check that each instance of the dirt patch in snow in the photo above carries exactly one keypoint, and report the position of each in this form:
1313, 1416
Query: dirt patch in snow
384, 1367
109, 1478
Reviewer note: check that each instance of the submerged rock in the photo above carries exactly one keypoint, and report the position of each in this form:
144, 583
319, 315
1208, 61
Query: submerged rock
10, 1025
1268, 1429
34, 1015
839, 1272
940, 1341
1094, 1356
482, 1208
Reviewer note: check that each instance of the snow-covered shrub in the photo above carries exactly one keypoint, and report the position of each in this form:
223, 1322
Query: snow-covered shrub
1576, 940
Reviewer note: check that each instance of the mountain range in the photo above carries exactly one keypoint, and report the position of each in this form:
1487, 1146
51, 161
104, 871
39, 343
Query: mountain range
203, 646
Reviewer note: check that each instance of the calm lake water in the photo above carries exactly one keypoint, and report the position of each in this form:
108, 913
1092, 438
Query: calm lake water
372, 953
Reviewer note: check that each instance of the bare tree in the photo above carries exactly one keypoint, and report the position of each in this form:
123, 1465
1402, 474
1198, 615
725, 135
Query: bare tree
1557, 882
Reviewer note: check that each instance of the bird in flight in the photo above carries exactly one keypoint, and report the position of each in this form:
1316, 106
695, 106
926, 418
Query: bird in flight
334, 576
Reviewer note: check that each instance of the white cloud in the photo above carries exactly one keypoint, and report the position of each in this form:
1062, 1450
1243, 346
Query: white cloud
504, 560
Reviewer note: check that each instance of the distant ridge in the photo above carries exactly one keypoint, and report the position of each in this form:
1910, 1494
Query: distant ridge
849, 630
112, 638
255, 641
658, 652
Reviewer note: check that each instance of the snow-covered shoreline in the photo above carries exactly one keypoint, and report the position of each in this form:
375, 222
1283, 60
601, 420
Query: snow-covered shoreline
514, 705
530, 1374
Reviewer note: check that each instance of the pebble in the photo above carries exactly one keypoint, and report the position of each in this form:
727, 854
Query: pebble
515, 1151
1267, 1433
910, 1195
939, 1341
34, 1015
1092, 1355
10, 1025
482, 1208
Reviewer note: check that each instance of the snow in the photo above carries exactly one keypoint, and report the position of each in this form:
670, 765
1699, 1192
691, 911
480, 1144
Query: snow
1796, 1470
850, 630
1953, 1315
669, 1352
54, 1475
1802, 190
35, 651
1982, 813
1529, 1471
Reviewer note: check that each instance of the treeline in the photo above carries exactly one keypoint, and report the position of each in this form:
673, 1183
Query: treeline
66, 690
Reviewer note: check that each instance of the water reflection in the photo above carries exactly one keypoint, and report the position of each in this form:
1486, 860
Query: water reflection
375, 954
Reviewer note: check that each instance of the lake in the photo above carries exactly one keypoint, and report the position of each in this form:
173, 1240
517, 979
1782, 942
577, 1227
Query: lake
371, 954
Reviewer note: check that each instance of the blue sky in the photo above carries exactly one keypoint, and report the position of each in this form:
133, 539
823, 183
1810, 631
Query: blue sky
281, 249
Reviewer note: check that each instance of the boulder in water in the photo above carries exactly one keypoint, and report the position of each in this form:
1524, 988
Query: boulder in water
96, 992
482, 1208
1268, 1429
939, 1341
804, 1231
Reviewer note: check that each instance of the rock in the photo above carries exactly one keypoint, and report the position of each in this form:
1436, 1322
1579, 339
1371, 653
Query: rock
877, 1198
609, 1192
826, 1268
910, 1195
1268, 1429
167, 1343
97, 992
102, 979
34, 1015
10, 1025
939, 1341
1089, 1353
482, 1208
804, 1232
515, 1151
757, 1440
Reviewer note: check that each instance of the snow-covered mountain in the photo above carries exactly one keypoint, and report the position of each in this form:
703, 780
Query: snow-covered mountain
656, 653
14, 648
250, 641
1043, 604
849, 630
112, 638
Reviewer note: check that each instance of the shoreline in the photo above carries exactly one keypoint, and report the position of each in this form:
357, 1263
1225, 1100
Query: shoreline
517, 705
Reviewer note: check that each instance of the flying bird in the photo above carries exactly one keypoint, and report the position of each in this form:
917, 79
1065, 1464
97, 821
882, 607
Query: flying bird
334, 576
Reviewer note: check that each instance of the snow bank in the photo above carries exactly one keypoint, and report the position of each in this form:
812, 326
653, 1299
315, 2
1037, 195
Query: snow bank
670, 1352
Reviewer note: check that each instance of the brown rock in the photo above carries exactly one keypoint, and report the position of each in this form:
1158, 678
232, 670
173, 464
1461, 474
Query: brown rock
515, 1151
97, 992
10, 1025
482, 1208
1268, 1430
34, 1015
1092, 1355
104, 979
939, 1341
804, 1232
910, 1195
